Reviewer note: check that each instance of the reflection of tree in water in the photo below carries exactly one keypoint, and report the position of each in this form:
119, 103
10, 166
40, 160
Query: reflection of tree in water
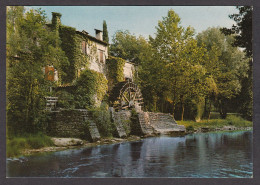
197, 155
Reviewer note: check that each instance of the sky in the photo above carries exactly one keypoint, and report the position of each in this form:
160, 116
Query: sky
139, 20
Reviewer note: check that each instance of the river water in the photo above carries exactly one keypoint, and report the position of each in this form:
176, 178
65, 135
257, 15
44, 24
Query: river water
219, 154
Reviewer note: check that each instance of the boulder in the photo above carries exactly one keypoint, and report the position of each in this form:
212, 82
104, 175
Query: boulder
67, 142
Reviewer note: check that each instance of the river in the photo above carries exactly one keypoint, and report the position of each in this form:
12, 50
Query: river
206, 155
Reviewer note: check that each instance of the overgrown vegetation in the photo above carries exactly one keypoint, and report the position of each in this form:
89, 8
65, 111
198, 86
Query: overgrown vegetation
115, 67
16, 145
31, 45
91, 87
103, 120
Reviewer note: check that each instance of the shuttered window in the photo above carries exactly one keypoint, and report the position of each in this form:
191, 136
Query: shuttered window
101, 56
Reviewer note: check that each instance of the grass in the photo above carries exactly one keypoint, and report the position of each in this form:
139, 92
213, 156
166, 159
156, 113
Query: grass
16, 145
231, 120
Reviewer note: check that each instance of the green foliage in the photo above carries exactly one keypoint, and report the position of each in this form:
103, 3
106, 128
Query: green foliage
102, 118
237, 121
105, 32
115, 66
91, 87
243, 38
129, 47
66, 100
30, 47
16, 145
174, 73
226, 66
69, 46
242, 29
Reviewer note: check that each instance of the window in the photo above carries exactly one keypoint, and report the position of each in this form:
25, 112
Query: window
84, 47
101, 56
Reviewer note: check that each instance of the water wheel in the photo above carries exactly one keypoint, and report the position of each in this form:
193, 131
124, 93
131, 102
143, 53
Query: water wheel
126, 95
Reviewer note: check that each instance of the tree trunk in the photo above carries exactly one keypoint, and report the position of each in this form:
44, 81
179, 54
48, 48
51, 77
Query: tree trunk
209, 109
173, 109
182, 105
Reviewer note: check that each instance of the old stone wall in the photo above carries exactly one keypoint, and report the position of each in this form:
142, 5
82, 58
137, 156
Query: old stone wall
76, 123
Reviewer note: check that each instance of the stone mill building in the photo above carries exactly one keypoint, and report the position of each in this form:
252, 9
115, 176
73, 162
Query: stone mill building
90, 53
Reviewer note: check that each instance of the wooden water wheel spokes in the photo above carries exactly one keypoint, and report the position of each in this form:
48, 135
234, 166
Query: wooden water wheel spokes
129, 97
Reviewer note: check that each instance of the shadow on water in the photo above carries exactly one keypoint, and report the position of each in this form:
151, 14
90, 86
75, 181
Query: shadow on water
223, 154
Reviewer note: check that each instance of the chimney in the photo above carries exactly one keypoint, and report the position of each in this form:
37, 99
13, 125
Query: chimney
99, 34
56, 20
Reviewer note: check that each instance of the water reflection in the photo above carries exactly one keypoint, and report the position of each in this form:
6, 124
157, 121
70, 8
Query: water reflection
226, 154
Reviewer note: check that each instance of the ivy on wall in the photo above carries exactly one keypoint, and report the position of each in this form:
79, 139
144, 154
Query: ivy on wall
69, 45
115, 67
91, 88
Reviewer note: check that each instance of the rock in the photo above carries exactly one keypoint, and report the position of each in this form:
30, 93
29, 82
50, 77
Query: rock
64, 142
229, 128
118, 139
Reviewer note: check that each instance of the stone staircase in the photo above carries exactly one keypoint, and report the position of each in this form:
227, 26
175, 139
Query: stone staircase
164, 123
117, 118
119, 125
92, 127
144, 121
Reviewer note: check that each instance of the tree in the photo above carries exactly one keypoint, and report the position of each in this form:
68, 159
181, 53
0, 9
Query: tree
226, 65
242, 29
175, 65
129, 47
243, 38
105, 32
30, 47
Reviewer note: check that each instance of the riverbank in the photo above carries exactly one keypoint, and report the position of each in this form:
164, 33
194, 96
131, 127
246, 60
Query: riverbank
228, 124
73, 143
41, 143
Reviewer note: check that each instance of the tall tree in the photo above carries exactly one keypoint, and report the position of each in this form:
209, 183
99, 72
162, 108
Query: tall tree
105, 32
243, 38
177, 62
226, 64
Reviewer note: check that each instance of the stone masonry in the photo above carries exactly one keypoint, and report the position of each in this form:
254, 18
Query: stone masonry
164, 123
73, 123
